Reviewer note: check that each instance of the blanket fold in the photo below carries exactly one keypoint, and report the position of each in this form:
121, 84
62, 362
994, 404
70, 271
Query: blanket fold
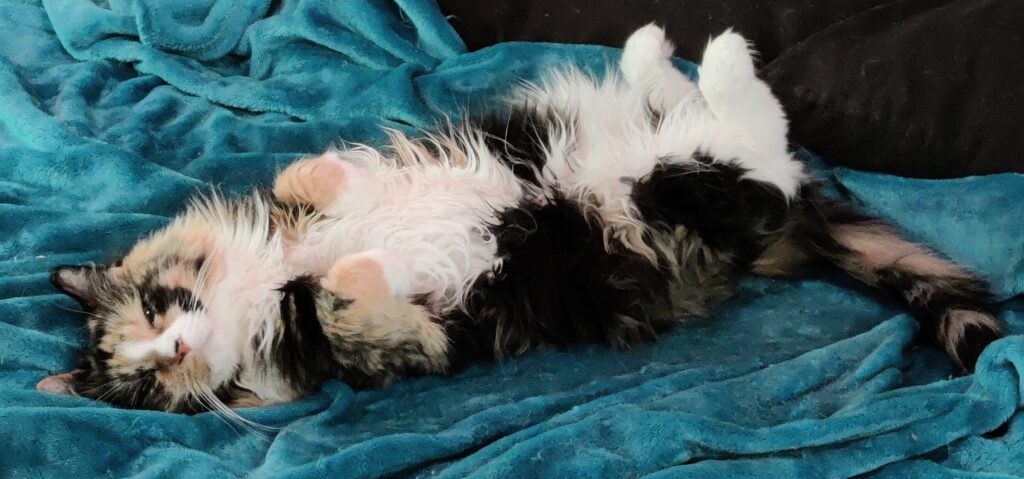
113, 113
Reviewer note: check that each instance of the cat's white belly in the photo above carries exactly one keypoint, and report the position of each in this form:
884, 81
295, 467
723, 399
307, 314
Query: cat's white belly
435, 218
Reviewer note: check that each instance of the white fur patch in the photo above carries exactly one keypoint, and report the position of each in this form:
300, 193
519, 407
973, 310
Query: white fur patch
360, 192
647, 64
395, 269
745, 108
238, 283
434, 214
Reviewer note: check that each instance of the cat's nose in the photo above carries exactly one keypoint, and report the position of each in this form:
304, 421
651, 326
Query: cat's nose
182, 349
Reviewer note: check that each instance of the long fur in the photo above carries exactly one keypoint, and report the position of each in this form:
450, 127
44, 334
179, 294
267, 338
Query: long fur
583, 209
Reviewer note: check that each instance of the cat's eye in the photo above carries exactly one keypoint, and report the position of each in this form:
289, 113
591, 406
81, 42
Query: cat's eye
148, 311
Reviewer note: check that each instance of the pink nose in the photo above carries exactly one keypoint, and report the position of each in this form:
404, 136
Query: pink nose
182, 349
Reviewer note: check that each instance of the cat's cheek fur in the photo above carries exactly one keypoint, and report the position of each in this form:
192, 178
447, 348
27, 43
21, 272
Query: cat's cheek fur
181, 380
215, 339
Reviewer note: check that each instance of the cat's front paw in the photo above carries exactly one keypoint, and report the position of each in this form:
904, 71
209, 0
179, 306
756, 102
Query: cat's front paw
329, 184
371, 277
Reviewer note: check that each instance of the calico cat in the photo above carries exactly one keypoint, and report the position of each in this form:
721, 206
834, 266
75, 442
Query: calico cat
583, 210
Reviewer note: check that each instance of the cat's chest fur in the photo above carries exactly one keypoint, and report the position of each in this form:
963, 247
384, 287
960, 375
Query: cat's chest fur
437, 218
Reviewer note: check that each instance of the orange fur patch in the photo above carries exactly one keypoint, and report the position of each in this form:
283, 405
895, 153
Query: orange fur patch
316, 182
359, 278
187, 237
879, 248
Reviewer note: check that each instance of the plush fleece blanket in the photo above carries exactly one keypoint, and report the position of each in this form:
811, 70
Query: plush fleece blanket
113, 113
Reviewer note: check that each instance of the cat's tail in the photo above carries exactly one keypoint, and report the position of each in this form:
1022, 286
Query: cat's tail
951, 304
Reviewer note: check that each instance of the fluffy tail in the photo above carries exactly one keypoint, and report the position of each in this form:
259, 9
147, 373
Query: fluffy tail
951, 303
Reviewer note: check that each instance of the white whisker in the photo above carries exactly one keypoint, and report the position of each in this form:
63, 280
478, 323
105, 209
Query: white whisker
218, 407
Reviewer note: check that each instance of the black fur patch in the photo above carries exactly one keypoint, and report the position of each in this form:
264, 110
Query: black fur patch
161, 298
558, 285
931, 299
301, 351
930, 296
518, 138
729, 213
137, 390
973, 342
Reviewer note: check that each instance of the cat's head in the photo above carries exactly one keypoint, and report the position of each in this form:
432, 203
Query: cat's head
158, 338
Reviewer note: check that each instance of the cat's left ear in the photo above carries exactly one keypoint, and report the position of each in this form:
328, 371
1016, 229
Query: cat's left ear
80, 282
64, 384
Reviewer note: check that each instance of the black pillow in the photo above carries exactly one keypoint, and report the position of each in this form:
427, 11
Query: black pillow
930, 88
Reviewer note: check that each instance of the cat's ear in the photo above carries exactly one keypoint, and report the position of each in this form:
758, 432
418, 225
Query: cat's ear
64, 384
79, 282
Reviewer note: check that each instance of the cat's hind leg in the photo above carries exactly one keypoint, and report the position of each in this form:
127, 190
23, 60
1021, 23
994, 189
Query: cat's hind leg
743, 120
738, 98
647, 64
331, 183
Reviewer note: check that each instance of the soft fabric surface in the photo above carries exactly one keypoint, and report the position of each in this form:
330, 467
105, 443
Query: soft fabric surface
111, 115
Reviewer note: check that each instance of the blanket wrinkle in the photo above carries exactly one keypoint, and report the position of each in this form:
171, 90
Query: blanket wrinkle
113, 113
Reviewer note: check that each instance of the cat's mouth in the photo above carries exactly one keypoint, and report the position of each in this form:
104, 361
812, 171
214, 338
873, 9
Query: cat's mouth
183, 350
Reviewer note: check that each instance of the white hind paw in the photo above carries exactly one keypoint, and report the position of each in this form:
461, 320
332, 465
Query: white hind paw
727, 59
645, 50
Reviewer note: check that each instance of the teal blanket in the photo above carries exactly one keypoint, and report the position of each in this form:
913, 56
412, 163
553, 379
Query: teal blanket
113, 113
